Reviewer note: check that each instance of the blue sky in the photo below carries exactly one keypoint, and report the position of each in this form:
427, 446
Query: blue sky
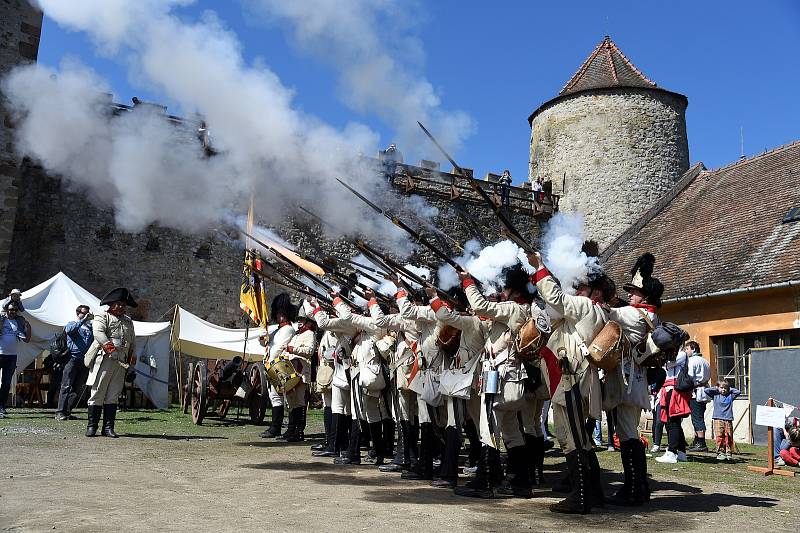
736, 61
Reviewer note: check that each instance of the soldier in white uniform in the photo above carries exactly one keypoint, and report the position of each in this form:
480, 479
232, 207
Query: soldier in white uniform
348, 431
300, 350
474, 331
404, 364
500, 355
627, 386
109, 358
325, 351
578, 394
372, 349
283, 313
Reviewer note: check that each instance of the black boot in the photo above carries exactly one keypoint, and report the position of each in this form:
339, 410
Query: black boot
448, 471
389, 428
535, 447
640, 461
474, 442
423, 470
291, 426
365, 443
480, 486
519, 473
376, 436
353, 454
577, 502
336, 438
630, 493
400, 452
596, 496
109, 414
327, 417
95, 412
413, 444
295, 432
274, 429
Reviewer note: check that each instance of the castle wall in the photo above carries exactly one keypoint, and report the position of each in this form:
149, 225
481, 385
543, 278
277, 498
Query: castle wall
620, 149
59, 230
20, 29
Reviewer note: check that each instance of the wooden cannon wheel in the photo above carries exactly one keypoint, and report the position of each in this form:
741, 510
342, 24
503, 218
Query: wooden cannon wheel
187, 389
259, 396
199, 392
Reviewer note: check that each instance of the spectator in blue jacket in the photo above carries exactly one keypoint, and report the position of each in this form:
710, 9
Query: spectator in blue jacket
723, 395
13, 328
79, 338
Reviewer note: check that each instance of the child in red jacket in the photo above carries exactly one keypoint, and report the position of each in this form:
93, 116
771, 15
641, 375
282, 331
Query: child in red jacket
792, 456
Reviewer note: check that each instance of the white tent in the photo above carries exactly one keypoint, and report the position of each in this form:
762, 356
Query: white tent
51, 304
193, 336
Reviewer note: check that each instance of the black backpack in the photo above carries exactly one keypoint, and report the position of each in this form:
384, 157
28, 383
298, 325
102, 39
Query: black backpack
684, 382
58, 347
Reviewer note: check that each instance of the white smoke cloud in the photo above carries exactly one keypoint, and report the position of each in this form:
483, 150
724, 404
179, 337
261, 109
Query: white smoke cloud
152, 171
562, 241
486, 265
377, 57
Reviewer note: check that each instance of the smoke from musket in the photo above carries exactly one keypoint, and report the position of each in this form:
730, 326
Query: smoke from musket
486, 265
151, 171
561, 249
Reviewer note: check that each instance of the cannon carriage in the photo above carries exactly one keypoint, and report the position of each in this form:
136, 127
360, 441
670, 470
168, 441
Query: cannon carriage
213, 385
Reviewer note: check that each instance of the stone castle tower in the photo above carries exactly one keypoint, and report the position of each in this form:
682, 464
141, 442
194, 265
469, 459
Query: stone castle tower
20, 29
612, 142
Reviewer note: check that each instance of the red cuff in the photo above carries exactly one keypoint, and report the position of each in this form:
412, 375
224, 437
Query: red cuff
290, 349
315, 311
436, 304
400, 294
372, 301
337, 301
539, 275
467, 282
109, 347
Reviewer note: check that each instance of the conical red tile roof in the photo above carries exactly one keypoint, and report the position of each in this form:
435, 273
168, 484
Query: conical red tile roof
606, 67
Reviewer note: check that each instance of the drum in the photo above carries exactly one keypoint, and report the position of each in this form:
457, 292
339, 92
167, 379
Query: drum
608, 347
532, 337
281, 373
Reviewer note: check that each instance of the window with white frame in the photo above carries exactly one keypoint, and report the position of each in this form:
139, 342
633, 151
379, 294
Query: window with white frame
733, 353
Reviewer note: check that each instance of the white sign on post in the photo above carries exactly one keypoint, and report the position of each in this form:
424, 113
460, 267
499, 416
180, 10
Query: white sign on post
773, 417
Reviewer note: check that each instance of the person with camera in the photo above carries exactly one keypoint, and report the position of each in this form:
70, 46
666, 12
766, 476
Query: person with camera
79, 337
13, 328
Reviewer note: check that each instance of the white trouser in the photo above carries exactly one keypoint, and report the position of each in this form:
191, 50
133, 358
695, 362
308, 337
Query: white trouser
275, 398
340, 401
296, 397
108, 383
626, 422
327, 397
532, 417
407, 401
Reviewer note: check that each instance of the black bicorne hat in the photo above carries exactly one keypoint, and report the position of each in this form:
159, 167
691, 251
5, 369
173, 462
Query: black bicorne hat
642, 279
120, 294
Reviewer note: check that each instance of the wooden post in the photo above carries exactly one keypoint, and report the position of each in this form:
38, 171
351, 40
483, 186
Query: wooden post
770, 470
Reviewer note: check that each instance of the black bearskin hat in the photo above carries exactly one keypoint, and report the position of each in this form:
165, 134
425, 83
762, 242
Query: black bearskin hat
282, 306
642, 279
458, 294
591, 248
516, 279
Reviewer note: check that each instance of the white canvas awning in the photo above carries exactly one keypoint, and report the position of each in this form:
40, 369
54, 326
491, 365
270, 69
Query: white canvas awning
195, 337
51, 304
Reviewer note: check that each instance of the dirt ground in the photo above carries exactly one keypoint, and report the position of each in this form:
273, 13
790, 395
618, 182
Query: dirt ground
166, 474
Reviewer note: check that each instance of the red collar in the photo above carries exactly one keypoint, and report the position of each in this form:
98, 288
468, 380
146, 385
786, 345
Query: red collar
646, 307
284, 324
520, 300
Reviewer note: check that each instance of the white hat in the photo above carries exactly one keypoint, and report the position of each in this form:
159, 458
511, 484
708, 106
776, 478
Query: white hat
16, 291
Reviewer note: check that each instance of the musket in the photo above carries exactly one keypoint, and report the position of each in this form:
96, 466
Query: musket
310, 276
510, 230
324, 301
397, 267
405, 227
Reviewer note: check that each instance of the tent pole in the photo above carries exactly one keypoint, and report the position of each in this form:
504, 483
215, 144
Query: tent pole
177, 356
